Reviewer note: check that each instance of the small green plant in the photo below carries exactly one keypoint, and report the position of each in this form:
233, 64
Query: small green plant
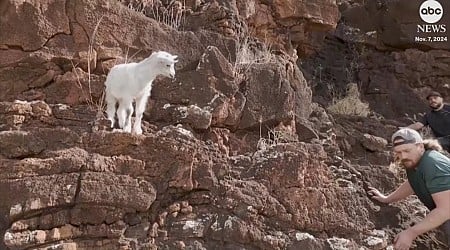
351, 104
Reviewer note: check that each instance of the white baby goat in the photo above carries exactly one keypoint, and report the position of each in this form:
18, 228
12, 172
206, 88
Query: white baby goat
133, 81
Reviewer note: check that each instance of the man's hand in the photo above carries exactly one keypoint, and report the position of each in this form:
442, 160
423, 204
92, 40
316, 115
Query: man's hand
404, 239
377, 195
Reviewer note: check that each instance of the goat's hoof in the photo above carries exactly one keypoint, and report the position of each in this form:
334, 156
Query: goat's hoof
117, 130
138, 131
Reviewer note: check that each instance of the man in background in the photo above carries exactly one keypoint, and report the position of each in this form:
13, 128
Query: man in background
428, 173
438, 119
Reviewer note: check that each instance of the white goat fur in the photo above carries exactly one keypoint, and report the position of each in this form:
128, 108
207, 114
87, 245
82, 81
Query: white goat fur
133, 81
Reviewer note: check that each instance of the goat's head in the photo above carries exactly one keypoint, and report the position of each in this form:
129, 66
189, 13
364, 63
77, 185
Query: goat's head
165, 63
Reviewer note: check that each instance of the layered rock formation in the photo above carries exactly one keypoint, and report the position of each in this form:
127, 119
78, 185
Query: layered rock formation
235, 154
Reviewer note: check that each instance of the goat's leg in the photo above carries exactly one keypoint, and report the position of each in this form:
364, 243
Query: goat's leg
141, 104
110, 107
124, 113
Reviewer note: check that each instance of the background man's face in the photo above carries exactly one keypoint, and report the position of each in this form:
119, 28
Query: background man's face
408, 155
435, 102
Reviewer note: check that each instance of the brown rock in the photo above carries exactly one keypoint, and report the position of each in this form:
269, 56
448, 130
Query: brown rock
138, 231
24, 239
195, 116
190, 228
75, 87
162, 218
51, 18
340, 243
91, 214
184, 204
54, 234
112, 190
209, 90
180, 245
30, 72
396, 23
46, 192
292, 97
305, 131
68, 182
53, 220
186, 210
374, 143
305, 241
174, 208
153, 232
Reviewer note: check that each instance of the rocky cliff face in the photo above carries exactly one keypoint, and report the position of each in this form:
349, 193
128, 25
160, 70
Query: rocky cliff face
238, 151
374, 45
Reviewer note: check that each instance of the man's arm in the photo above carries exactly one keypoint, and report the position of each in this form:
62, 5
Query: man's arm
416, 126
437, 216
400, 193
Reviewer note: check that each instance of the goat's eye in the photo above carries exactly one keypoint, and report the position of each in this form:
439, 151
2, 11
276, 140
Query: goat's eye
168, 65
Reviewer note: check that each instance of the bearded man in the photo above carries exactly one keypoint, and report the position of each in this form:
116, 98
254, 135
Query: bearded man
438, 119
428, 173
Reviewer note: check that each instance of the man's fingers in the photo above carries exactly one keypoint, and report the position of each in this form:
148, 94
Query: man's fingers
373, 193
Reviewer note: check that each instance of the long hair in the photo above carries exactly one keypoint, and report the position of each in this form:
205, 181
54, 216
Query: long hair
432, 144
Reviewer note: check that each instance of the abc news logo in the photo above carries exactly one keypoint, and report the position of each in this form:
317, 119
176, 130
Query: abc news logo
431, 12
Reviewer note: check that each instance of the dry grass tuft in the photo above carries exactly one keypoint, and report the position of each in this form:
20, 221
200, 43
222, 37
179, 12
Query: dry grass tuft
351, 104
172, 15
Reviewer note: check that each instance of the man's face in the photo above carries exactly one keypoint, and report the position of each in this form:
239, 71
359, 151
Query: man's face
435, 102
408, 154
